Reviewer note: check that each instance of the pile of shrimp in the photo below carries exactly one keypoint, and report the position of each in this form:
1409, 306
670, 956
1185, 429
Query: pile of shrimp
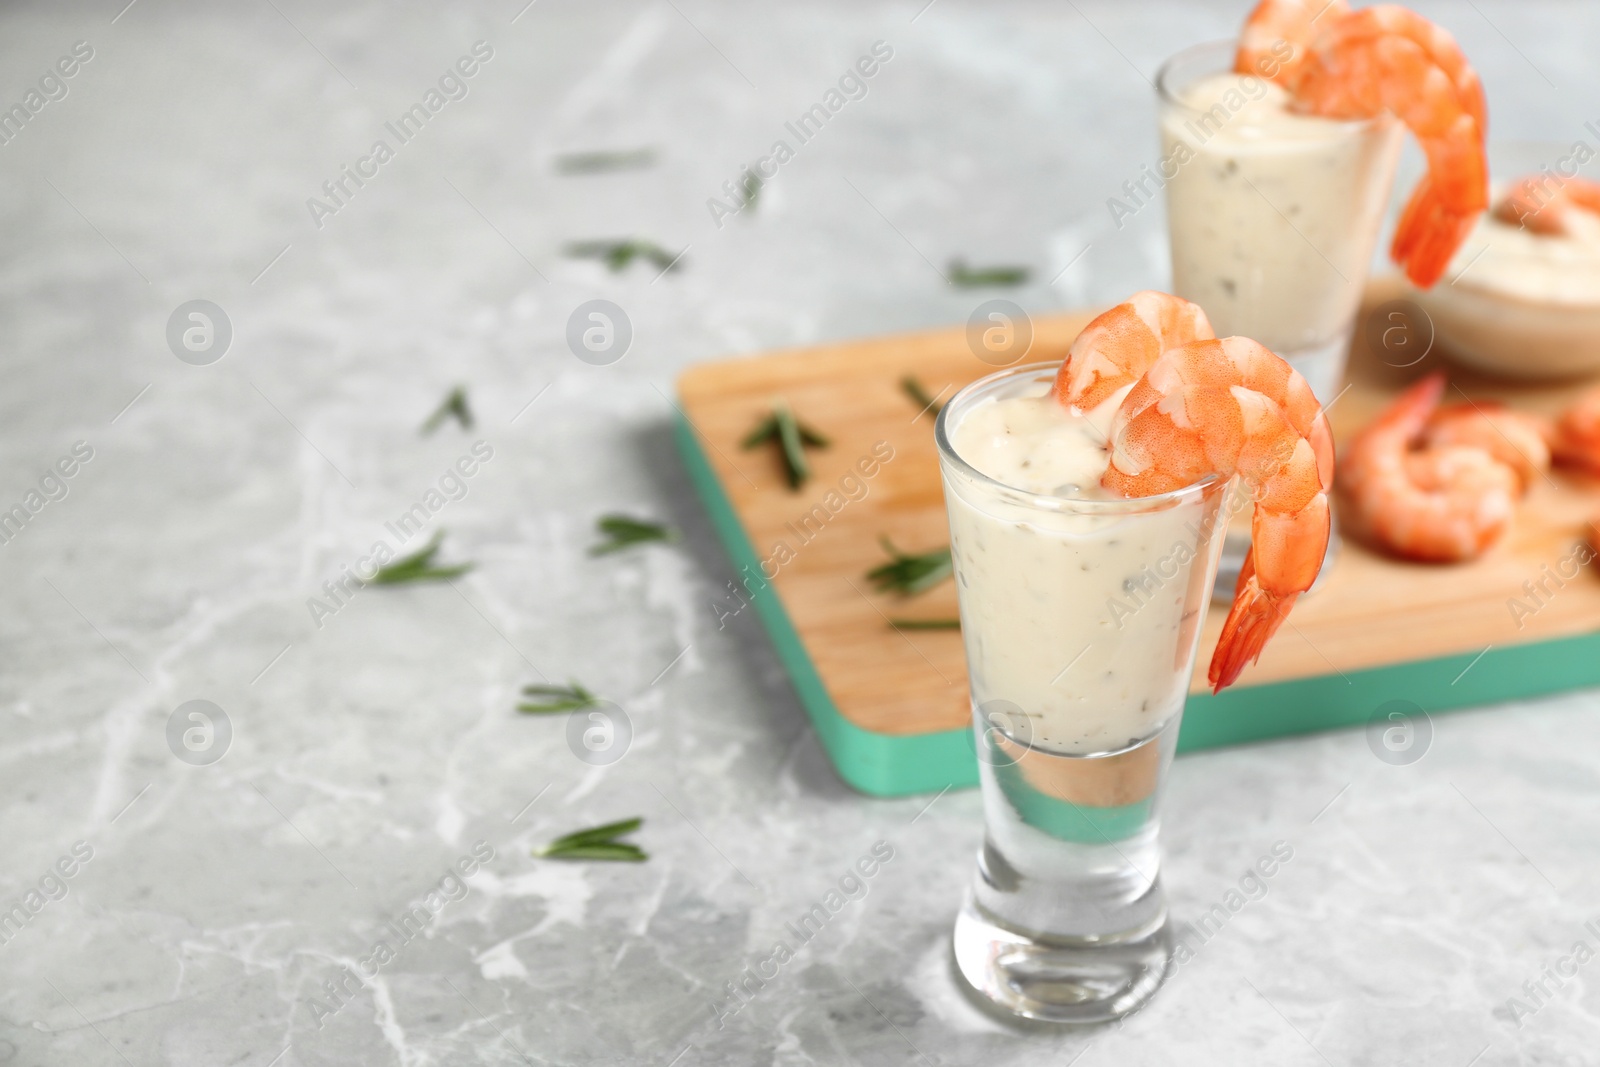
1351, 64
1196, 406
1441, 484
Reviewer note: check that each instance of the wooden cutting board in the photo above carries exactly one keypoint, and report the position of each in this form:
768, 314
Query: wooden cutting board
891, 705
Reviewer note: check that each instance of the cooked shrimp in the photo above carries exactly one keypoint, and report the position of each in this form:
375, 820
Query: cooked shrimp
1231, 407
1532, 202
1519, 439
1118, 346
1357, 64
1388, 58
1275, 23
1442, 504
1577, 436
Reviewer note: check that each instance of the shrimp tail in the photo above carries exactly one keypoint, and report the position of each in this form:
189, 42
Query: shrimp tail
1411, 410
1428, 235
1255, 616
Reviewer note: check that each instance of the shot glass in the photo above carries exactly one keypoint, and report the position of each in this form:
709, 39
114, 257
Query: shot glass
1273, 217
1080, 620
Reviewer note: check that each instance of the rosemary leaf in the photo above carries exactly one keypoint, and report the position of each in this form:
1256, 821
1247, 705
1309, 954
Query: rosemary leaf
602, 162
810, 437
763, 432
965, 277
618, 254
794, 453
598, 843
624, 532
793, 438
454, 406
419, 567
621, 852
557, 698
925, 624
908, 574
919, 396
600, 834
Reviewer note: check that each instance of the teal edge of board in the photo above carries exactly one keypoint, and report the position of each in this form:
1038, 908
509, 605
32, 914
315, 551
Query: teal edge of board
900, 764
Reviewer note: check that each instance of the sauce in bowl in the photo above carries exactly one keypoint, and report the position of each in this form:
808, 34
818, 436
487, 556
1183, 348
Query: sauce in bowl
1521, 304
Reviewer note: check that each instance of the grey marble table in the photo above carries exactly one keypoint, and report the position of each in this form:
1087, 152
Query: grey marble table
161, 905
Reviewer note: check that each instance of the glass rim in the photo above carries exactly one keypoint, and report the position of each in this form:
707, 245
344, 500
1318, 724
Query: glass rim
1165, 90
1133, 505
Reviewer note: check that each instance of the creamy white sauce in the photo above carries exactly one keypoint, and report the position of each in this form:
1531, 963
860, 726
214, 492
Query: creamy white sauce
1084, 618
1522, 304
1274, 215
1505, 259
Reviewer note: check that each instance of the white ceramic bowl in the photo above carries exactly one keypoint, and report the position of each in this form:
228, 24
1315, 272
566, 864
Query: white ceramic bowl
1514, 304
1513, 336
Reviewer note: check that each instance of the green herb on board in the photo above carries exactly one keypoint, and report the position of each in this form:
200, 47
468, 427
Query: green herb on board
793, 438
909, 574
925, 624
919, 396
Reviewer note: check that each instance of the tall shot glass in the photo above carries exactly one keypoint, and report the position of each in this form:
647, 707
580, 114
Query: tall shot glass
1273, 217
1080, 620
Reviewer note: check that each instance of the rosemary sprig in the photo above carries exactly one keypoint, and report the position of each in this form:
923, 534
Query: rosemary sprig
599, 843
965, 277
601, 162
768, 426
556, 699
908, 574
793, 437
454, 406
919, 396
624, 532
418, 567
617, 254
925, 624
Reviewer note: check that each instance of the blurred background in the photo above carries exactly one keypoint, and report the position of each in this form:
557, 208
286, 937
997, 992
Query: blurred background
366, 751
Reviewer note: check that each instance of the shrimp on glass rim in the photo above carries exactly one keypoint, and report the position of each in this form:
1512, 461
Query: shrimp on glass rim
1119, 345
1276, 22
1441, 504
1388, 59
1203, 406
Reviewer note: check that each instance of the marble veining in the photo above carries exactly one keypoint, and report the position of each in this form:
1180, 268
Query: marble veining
1430, 913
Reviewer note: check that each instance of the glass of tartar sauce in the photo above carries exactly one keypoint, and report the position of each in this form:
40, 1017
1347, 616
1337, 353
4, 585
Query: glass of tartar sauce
1080, 614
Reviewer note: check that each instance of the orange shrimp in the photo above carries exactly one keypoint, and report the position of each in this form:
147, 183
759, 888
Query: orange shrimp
1531, 202
1519, 439
1275, 23
1118, 346
1357, 64
1232, 407
1443, 504
1577, 434
1388, 58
